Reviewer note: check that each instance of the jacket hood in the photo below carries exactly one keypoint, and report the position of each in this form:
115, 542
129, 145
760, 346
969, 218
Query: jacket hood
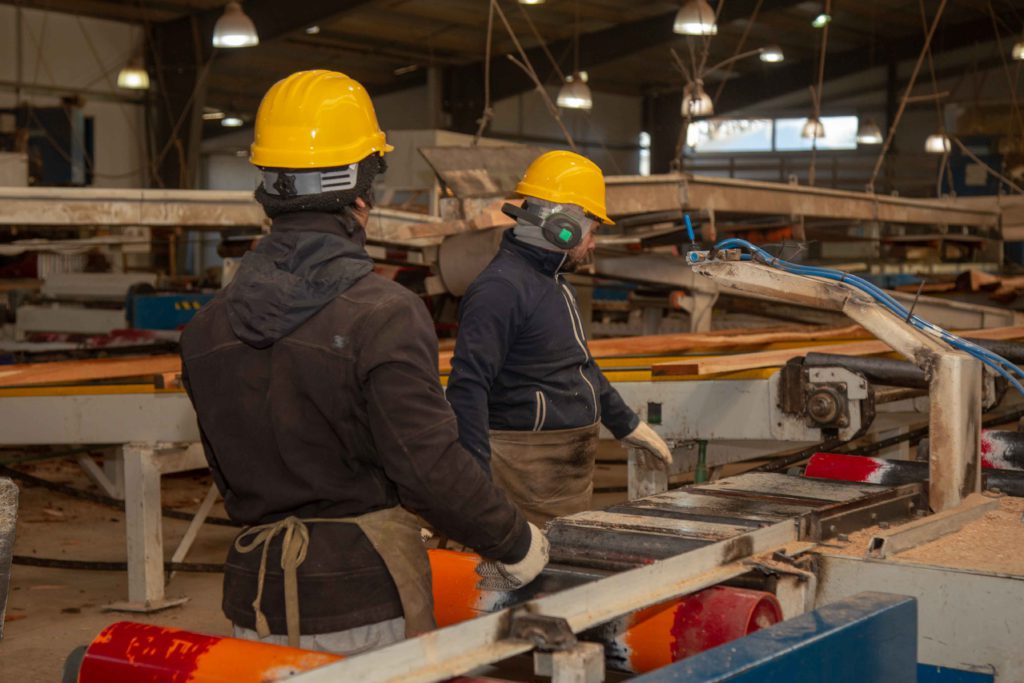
304, 263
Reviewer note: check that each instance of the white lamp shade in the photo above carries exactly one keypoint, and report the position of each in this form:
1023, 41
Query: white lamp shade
821, 20
772, 54
234, 28
695, 18
231, 121
531, 2
133, 77
937, 143
575, 94
696, 102
1018, 50
868, 133
813, 128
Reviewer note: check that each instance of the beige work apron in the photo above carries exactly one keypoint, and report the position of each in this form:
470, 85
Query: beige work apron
394, 534
548, 473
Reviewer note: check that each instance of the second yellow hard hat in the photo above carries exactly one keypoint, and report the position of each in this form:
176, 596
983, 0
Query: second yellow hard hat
566, 178
316, 119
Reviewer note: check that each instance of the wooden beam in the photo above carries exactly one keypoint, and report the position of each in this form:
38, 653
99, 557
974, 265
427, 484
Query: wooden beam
768, 359
635, 194
74, 372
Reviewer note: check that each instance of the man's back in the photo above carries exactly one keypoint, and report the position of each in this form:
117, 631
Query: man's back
288, 423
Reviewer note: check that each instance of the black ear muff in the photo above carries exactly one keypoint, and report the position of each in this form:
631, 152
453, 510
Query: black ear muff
560, 229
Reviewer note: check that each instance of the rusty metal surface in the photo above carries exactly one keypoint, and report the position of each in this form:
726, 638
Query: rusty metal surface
634, 194
480, 171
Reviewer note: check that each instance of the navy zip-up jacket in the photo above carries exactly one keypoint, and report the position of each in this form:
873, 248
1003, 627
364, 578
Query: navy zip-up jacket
521, 360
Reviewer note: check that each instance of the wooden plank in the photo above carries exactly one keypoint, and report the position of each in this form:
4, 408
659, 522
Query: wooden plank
765, 483
702, 341
599, 519
70, 372
927, 529
776, 358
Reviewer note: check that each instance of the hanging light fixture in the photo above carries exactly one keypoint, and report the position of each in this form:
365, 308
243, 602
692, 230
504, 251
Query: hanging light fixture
696, 102
575, 93
868, 133
938, 143
695, 18
821, 20
531, 2
813, 128
1018, 50
234, 28
133, 76
232, 121
772, 54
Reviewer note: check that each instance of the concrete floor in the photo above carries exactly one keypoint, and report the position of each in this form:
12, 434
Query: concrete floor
52, 611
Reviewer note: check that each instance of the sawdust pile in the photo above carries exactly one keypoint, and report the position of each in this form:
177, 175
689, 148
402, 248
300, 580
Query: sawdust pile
993, 543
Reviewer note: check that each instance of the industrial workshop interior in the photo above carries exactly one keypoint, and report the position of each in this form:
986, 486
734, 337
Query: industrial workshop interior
356, 341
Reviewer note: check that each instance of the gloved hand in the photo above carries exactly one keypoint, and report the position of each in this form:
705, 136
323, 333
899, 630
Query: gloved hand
498, 576
658, 452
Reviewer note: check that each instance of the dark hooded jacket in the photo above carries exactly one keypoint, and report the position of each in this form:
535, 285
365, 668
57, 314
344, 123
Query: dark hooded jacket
315, 383
521, 361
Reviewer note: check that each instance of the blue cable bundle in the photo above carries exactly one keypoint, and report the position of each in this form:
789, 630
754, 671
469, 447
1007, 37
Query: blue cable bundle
992, 360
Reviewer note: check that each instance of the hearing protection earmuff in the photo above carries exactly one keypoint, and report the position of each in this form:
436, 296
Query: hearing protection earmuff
561, 229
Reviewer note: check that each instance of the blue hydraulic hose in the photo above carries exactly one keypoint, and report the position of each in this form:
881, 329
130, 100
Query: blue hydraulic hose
998, 364
689, 228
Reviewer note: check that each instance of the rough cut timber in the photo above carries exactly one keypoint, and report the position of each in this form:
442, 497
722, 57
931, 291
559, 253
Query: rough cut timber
72, 372
661, 344
768, 359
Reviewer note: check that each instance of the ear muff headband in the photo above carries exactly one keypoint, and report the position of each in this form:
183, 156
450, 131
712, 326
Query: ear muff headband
560, 229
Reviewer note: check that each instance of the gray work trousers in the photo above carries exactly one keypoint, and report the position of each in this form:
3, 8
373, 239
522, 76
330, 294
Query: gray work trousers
349, 642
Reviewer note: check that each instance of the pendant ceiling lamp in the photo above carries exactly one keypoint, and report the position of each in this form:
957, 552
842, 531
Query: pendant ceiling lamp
813, 128
234, 28
868, 133
695, 18
133, 76
696, 102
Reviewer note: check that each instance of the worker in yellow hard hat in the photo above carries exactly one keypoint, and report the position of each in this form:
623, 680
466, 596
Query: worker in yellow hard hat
316, 388
529, 397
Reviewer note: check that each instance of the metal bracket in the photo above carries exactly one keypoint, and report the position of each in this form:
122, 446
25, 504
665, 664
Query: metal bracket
548, 634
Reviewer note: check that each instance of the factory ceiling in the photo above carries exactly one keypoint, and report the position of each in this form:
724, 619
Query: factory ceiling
391, 44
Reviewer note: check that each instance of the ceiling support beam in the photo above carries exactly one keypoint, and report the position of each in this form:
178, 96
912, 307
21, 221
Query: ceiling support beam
464, 85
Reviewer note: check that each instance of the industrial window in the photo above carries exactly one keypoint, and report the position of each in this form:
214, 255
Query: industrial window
840, 133
729, 135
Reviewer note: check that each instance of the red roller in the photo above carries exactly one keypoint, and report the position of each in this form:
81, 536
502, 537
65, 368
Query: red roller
637, 642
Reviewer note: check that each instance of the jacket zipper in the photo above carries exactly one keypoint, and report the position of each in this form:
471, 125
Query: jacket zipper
574, 320
541, 412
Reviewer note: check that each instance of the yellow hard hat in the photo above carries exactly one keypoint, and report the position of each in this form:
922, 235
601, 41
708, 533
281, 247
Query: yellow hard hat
316, 119
566, 178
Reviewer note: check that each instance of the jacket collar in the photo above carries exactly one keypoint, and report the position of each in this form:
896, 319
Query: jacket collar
319, 221
541, 260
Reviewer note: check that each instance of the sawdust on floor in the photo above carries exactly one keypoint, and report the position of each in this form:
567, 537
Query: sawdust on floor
992, 543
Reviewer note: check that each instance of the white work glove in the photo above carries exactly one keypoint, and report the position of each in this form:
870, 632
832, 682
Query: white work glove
657, 451
498, 576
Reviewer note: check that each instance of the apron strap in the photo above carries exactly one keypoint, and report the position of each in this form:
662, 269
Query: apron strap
394, 534
293, 553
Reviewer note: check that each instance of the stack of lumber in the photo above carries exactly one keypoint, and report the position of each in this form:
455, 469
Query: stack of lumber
1001, 288
850, 340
